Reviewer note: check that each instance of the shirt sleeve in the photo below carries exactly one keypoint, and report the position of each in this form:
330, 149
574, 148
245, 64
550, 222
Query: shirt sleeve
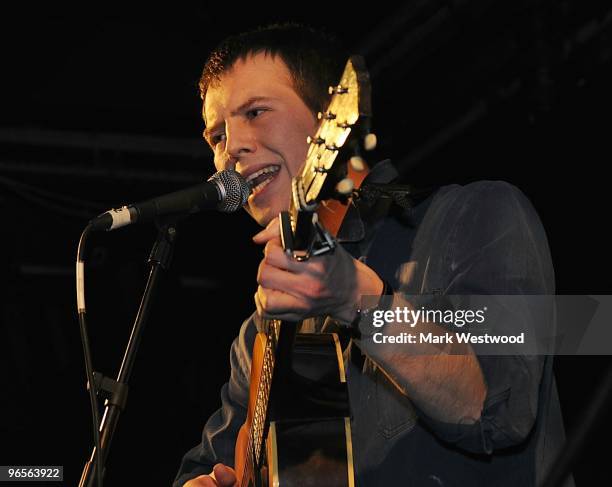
221, 429
498, 246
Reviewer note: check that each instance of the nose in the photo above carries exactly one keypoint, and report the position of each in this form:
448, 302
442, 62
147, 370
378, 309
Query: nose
240, 142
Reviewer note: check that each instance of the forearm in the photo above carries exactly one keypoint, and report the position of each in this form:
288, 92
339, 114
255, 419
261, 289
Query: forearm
448, 388
445, 381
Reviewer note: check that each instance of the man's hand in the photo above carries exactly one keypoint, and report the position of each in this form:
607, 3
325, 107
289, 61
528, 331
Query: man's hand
330, 284
221, 476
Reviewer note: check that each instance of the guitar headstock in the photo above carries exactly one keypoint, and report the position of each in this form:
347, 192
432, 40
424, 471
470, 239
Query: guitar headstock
349, 109
348, 113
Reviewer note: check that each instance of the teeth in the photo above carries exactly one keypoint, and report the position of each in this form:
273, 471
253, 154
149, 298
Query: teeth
265, 170
261, 186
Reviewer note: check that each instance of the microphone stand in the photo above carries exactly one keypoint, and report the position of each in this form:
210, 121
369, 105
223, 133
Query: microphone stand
115, 391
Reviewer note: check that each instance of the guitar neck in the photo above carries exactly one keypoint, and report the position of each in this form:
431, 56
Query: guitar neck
275, 370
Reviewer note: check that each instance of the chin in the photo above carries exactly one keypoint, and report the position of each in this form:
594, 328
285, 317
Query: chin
266, 213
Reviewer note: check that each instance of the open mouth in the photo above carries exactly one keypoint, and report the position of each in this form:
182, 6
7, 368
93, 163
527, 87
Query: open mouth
260, 179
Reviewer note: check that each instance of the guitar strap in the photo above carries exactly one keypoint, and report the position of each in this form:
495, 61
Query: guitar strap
333, 212
402, 196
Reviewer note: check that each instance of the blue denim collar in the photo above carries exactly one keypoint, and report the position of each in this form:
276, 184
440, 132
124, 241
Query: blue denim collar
353, 229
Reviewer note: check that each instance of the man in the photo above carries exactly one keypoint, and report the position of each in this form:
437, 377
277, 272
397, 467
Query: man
451, 419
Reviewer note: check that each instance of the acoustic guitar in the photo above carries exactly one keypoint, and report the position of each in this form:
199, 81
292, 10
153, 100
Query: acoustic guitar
298, 431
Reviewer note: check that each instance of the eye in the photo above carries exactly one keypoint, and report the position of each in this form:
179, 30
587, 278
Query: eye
254, 112
216, 138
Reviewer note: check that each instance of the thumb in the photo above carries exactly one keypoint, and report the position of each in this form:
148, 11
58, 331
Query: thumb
268, 233
224, 475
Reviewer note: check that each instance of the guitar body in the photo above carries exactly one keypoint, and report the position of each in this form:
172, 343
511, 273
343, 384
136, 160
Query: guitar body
308, 437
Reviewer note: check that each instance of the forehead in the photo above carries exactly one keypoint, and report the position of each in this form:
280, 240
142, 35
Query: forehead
259, 75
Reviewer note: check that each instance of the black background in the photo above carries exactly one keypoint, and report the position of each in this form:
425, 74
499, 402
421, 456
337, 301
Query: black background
100, 108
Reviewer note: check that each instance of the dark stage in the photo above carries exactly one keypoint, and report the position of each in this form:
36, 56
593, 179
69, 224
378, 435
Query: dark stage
100, 108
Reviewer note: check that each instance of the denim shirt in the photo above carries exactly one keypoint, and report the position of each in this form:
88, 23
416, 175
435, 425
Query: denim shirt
481, 238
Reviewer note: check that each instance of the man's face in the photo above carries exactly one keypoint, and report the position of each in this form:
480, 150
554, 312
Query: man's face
257, 124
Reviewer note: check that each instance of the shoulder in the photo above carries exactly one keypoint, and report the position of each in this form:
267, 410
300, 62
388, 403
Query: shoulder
482, 195
492, 228
489, 205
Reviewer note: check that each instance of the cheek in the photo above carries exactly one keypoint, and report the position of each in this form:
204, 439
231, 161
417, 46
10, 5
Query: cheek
297, 148
287, 136
217, 161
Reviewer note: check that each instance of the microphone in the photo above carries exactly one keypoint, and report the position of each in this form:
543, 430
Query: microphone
225, 191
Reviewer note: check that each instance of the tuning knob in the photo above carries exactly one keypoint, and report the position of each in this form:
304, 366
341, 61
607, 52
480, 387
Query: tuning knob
326, 116
337, 90
315, 140
357, 163
345, 187
370, 141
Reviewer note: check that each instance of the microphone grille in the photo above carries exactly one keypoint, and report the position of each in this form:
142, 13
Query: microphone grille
233, 188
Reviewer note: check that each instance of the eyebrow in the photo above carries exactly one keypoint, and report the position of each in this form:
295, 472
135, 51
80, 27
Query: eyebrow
237, 111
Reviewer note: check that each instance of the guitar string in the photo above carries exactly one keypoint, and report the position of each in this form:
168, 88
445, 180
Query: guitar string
248, 466
249, 453
263, 389
263, 398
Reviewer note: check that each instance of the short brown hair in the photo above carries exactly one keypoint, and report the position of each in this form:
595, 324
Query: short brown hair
314, 58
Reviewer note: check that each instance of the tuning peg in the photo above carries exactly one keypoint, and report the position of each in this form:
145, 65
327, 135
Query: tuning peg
345, 187
326, 115
370, 141
337, 90
344, 125
357, 163
317, 141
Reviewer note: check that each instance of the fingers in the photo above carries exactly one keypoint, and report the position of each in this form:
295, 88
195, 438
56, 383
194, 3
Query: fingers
276, 256
272, 276
304, 281
289, 289
272, 304
294, 290
221, 476
201, 481
270, 232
